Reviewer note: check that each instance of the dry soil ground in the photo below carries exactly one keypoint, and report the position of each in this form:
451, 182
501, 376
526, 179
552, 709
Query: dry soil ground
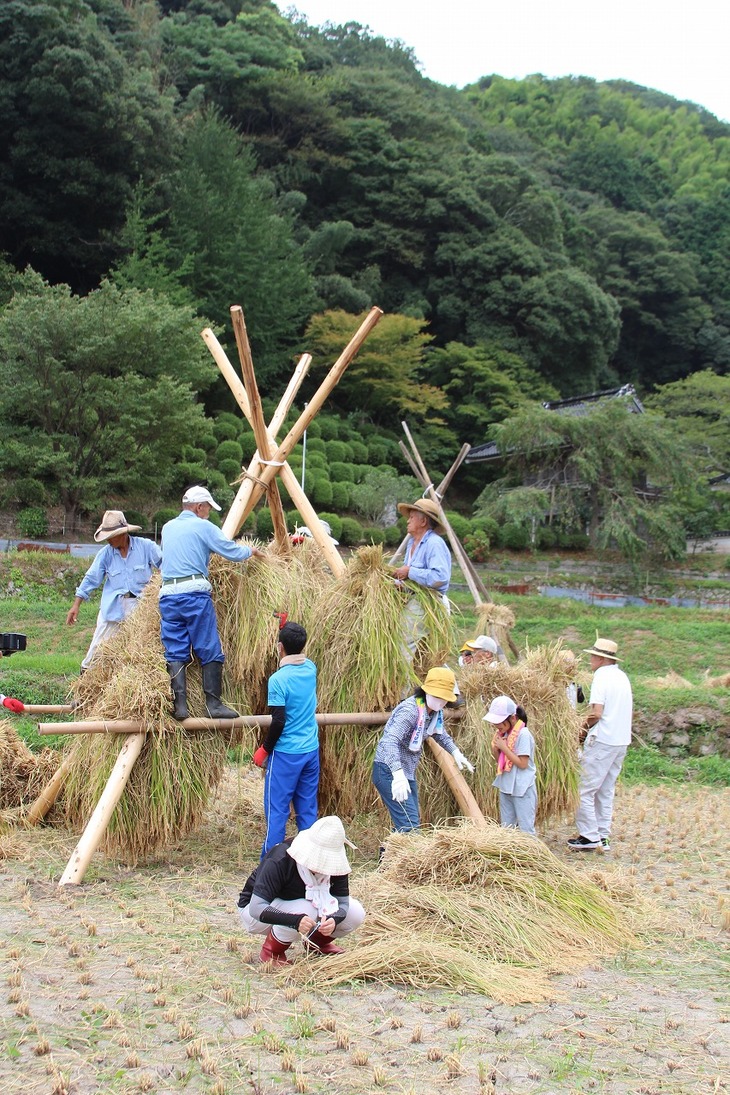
140, 980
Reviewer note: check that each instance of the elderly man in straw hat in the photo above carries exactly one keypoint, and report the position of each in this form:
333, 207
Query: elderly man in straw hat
607, 735
187, 612
300, 888
427, 562
123, 568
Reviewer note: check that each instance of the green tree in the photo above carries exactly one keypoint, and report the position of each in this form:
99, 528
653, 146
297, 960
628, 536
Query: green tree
97, 393
612, 471
698, 407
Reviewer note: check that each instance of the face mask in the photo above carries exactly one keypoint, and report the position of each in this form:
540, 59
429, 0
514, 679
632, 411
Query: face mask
435, 704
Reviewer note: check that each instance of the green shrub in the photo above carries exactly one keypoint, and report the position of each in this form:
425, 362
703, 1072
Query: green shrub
514, 537
334, 522
247, 441
393, 535
229, 469
374, 535
229, 450
33, 522
487, 525
193, 455
264, 524
573, 540
341, 494
321, 491
29, 492
215, 518
314, 429
316, 460
358, 472
336, 450
476, 545
546, 537
164, 515
136, 517
316, 444
460, 525
340, 472
351, 531
359, 452
226, 426
329, 426
208, 443
377, 452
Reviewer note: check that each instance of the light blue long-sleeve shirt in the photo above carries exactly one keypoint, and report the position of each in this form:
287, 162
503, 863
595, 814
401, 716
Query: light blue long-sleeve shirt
430, 563
189, 541
119, 575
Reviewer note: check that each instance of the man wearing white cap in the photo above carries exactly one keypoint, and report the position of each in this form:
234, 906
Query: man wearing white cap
188, 618
123, 568
480, 651
607, 734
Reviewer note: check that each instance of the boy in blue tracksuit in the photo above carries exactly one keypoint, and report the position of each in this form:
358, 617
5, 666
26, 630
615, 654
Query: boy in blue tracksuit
292, 743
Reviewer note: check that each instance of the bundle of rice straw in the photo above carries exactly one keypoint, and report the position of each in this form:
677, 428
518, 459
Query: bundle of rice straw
670, 680
487, 910
23, 774
363, 665
538, 683
497, 621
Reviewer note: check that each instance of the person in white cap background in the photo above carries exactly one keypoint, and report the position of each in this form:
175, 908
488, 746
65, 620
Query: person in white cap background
301, 888
607, 735
187, 612
399, 750
427, 562
123, 568
480, 651
513, 748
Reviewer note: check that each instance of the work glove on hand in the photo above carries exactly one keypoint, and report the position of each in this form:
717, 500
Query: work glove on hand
12, 705
400, 788
260, 757
461, 762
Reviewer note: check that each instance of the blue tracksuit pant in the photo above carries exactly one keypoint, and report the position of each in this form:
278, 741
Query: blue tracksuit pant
291, 778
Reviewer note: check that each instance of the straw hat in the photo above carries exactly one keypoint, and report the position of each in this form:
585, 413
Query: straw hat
321, 848
194, 495
113, 523
482, 642
604, 648
427, 506
500, 709
441, 683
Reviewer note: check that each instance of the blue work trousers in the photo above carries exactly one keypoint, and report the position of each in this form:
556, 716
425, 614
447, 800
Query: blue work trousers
189, 620
404, 815
291, 779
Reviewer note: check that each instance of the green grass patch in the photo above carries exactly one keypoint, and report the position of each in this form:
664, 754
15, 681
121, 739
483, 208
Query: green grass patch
646, 764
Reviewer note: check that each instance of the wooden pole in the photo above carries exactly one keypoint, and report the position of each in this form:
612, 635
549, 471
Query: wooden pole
460, 788
297, 495
93, 833
38, 809
281, 535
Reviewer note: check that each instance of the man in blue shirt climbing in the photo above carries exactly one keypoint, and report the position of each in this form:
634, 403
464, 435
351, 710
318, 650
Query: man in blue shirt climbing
292, 743
187, 612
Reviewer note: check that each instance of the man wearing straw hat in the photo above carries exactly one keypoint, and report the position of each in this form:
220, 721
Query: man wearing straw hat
300, 888
427, 562
607, 734
187, 613
123, 568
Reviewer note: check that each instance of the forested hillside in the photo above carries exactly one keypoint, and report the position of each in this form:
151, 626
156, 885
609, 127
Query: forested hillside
531, 238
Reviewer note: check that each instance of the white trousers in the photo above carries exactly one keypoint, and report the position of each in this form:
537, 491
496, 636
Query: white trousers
106, 628
599, 769
519, 813
353, 920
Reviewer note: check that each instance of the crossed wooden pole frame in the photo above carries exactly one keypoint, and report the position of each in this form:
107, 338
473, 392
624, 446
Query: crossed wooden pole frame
269, 460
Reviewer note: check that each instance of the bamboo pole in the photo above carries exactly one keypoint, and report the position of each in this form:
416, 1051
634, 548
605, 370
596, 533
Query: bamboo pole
261, 722
459, 787
92, 835
48, 708
251, 492
38, 809
297, 495
281, 535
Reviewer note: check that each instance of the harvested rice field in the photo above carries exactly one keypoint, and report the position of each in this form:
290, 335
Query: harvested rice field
142, 981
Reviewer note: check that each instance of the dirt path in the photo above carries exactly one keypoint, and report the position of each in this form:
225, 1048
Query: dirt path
142, 981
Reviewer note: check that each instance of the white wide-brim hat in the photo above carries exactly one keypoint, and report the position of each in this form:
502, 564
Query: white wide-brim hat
113, 523
604, 648
321, 847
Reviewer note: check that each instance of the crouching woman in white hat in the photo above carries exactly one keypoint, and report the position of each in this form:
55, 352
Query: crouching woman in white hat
300, 888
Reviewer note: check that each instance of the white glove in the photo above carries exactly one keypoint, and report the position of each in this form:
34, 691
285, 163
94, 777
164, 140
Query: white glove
400, 788
461, 762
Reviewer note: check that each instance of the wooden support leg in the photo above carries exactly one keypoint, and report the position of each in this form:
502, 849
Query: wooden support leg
460, 788
49, 794
93, 833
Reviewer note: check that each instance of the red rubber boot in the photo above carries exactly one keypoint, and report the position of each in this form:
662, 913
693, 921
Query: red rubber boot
322, 944
274, 951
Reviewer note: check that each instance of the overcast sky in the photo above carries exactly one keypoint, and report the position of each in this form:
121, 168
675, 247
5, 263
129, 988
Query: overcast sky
680, 48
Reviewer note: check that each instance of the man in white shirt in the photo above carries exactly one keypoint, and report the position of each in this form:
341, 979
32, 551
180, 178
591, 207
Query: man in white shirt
607, 736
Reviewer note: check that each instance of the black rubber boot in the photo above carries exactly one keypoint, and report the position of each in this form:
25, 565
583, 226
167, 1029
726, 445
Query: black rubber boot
179, 690
212, 675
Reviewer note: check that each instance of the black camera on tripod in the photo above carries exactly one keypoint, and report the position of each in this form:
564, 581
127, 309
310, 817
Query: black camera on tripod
11, 643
